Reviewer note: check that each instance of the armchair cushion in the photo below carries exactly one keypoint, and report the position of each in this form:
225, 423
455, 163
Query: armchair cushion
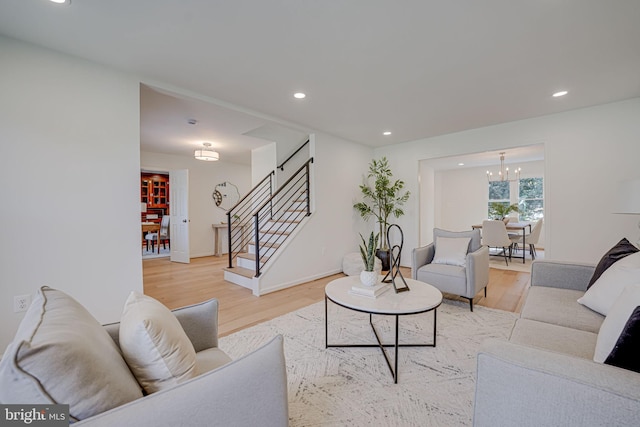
451, 251
61, 354
447, 278
154, 344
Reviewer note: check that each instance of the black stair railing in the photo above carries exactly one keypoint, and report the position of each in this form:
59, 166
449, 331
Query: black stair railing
275, 219
240, 216
281, 167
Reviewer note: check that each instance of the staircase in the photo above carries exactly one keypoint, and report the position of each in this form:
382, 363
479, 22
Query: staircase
262, 222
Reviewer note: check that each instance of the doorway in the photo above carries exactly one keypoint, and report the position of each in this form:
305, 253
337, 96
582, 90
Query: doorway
454, 190
154, 206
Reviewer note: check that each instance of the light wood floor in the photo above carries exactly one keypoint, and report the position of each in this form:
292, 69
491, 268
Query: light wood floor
177, 285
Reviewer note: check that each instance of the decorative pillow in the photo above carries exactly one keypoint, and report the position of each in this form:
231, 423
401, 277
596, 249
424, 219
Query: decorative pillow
616, 253
614, 324
451, 251
625, 352
62, 355
474, 235
154, 344
604, 292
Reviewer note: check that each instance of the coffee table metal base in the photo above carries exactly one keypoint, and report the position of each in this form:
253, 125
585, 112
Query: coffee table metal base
396, 345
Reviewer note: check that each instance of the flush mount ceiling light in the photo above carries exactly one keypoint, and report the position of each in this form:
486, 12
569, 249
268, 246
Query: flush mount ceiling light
559, 94
206, 154
386, 133
61, 1
299, 95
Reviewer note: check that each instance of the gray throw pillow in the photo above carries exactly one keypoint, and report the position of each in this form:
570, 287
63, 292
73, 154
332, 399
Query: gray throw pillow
62, 355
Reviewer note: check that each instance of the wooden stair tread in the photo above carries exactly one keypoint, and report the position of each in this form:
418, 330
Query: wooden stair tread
277, 233
267, 245
241, 271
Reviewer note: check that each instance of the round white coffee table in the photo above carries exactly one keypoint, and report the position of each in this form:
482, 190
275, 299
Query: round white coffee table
421, 298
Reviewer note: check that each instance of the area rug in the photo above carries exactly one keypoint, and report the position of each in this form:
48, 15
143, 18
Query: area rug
354, 387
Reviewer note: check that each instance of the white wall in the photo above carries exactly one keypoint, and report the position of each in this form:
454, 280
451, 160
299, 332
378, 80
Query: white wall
203, 178
263, 162
332, 230
587, 152
70, 172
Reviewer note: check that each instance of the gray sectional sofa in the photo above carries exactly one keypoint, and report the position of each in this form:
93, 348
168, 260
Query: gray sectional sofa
544, 375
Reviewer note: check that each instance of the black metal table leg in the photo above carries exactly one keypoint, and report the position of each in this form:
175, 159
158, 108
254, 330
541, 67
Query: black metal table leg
393, 369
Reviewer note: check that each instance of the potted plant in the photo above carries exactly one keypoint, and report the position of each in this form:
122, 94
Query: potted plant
369, 277
382, 200
498, 210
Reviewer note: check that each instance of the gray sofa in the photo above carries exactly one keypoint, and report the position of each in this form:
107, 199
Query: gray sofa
249, 391
544, 375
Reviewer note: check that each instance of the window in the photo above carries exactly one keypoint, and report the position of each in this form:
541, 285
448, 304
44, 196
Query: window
527, 193
499, 192
531, 199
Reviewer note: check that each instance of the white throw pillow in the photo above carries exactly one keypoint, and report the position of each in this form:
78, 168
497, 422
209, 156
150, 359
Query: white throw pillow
615, 321
605, 291
155, 346
61, 354
451, 250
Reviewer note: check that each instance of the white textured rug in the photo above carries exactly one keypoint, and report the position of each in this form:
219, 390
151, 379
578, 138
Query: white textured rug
354, 387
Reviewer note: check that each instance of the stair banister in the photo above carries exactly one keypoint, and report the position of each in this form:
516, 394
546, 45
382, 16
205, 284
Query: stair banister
283, 186
281, 167
230, 212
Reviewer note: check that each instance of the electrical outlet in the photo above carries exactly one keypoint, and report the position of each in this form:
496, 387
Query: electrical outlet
21, 303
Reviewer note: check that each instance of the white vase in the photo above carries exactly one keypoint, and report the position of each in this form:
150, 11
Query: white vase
369, 278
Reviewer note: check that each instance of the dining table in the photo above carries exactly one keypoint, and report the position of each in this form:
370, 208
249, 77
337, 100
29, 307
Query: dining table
520, 226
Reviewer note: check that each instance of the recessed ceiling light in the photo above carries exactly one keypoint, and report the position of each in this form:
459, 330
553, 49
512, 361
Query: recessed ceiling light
386, 133
559, 94
460, 164
61, 1
299, 95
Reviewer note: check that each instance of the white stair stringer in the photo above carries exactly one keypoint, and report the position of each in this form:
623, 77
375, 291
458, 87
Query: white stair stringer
238, 276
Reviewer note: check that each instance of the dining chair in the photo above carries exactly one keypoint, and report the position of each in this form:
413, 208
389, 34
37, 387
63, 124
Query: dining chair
531, 239
163, 236
494, 235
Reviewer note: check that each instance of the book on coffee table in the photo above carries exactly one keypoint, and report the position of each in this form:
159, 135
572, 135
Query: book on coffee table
369, 291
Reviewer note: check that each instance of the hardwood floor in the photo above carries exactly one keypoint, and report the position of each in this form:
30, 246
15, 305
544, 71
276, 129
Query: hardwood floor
177, 285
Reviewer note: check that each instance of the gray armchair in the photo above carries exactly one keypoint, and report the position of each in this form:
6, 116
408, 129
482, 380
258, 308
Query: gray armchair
466, 280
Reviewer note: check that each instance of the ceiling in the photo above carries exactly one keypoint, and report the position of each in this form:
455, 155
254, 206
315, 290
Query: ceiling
167, 126
513, 157
417, 68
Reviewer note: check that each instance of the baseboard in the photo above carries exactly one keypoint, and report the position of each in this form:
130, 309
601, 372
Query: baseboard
299, 281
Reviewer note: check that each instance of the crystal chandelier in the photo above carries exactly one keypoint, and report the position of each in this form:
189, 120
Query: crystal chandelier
503, 175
